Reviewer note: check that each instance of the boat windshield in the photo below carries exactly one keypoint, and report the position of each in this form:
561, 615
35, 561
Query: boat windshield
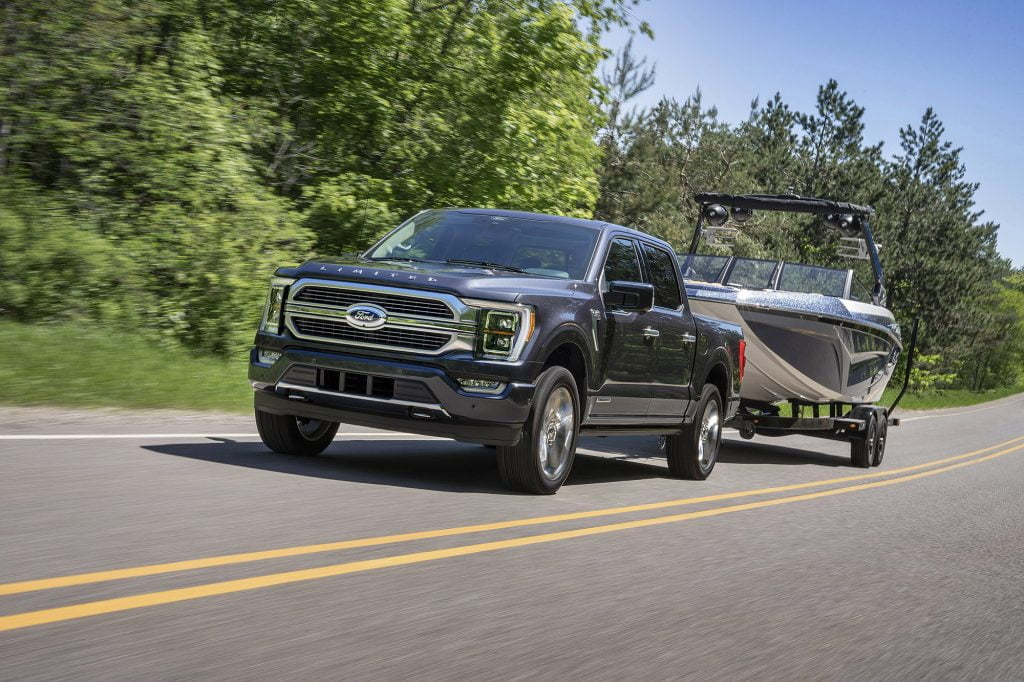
751, 273
810, 279
756, 273
705, 268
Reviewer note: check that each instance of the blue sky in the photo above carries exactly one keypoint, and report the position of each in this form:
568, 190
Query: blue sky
894, 58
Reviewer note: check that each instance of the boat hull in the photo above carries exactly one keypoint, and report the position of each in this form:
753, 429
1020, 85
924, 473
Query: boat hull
806, 347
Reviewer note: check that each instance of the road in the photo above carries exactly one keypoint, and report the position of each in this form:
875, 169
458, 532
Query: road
160, 546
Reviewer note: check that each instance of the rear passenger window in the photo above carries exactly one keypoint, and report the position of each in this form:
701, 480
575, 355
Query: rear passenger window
663, 277
622, 264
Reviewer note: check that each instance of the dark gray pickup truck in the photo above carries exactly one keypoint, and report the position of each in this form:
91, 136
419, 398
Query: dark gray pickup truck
510, 329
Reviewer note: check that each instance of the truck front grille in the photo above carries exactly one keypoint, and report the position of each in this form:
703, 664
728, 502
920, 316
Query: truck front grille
394, 304
391, 337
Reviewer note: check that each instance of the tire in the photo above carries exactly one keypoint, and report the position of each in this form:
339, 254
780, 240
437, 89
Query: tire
692, 453
862, 450
543, 458
880, 438
291, 435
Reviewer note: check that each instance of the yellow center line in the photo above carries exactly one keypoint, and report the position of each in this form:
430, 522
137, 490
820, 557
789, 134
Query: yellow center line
64, 613
246, 557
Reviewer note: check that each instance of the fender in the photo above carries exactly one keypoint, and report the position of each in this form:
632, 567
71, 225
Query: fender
568, 332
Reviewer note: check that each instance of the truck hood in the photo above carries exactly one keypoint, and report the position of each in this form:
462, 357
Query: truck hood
459, 280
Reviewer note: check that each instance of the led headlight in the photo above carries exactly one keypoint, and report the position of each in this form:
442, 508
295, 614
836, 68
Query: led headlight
504, 329
274, 309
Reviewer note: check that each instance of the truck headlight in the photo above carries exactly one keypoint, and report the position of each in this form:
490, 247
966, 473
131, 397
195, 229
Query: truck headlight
504, 329
274, 309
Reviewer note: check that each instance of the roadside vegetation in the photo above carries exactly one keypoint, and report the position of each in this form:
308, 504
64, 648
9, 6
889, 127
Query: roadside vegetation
159, 158
66, 364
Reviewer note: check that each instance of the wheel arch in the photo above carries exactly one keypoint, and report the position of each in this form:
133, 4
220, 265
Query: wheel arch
567, 350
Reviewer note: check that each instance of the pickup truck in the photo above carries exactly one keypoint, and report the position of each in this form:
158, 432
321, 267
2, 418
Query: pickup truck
510, 329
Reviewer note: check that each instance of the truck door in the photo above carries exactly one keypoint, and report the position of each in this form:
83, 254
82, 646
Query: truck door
675, 342
626, 352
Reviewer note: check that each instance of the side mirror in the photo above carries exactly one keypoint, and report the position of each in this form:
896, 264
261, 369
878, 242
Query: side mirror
633, 296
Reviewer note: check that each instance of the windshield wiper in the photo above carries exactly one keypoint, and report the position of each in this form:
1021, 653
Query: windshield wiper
404, 259
484, 264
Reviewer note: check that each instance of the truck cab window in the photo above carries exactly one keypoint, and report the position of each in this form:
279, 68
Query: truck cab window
663, 277
622, 264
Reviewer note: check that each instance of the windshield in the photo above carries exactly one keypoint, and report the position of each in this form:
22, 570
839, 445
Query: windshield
810, 279
704, 268
751, 273
540, 247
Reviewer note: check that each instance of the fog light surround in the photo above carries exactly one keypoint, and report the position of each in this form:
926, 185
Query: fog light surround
267, 357
485, 386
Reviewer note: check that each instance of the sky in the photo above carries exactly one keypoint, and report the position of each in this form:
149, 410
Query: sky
894, 58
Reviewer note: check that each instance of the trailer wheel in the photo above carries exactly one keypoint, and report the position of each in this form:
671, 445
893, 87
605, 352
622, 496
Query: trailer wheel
862, 449
692, 453
880, 436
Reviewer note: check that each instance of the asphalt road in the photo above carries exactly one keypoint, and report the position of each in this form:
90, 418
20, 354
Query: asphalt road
395, 557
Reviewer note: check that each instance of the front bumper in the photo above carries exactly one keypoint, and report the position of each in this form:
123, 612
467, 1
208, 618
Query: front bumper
385, 394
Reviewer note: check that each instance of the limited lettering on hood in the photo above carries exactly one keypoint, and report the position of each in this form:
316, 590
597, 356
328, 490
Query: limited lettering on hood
377, 273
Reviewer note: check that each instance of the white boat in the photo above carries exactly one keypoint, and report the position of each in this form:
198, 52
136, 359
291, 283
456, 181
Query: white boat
813, 335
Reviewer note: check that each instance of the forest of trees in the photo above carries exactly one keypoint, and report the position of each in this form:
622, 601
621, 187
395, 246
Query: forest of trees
159, 158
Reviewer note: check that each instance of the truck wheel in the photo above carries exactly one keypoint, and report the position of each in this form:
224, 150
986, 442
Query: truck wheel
291, 435
541, 461
692, 452
880, 436
862, 450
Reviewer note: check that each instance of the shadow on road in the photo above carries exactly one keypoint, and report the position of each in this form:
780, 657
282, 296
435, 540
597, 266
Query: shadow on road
732, 452
758, 452
433, 465
459, 467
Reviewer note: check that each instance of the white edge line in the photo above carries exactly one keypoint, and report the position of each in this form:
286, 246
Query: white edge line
125, 436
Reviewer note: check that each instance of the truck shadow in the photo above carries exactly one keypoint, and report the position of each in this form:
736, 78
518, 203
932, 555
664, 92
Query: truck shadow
432, 465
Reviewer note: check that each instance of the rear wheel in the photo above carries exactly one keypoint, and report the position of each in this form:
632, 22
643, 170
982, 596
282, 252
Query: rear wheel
292, 435
542, 459
692, 453
862, 450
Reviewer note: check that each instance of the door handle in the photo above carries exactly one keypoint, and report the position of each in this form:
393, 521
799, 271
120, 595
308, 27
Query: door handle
651, 333
689, 338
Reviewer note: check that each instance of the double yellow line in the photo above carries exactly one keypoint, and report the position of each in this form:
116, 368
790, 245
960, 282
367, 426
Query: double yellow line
53, 615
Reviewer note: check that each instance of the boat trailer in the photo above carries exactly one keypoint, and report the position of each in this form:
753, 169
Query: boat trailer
864, 426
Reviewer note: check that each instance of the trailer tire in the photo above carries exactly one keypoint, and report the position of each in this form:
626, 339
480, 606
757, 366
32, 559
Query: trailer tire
688, 452
880, 438
862, 449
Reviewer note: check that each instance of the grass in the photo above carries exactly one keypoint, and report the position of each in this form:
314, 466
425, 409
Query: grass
69, 364
952, 398
74, 365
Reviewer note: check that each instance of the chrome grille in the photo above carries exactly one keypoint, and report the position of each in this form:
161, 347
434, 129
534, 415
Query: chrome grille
392, 303
387, 336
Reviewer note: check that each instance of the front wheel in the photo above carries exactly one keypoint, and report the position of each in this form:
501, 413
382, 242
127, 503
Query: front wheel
692, 453
292, 435
542, 459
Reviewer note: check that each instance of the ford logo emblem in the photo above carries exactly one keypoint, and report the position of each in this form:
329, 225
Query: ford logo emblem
365, 316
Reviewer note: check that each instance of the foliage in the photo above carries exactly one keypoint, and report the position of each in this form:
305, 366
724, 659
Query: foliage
159, 158
925, 378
